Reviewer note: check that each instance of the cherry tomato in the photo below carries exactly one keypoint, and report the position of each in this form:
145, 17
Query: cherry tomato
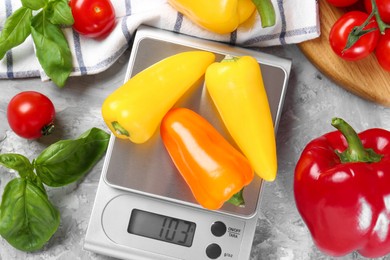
342, 3
93, 18
382, 51
383, 8
339, 34
31, 114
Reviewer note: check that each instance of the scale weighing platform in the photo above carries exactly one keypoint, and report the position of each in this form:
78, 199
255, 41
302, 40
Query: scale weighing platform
143, 208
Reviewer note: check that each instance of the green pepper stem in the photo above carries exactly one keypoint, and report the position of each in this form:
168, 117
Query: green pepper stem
355, 151
230, 58
266, 11
120, 129
237, 199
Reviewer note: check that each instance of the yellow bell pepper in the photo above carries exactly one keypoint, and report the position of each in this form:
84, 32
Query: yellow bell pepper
220, 16
237, 90
135, 110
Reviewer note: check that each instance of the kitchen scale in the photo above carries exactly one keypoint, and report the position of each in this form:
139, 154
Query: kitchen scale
143, 208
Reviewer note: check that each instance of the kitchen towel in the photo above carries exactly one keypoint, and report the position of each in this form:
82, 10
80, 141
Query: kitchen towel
296, 21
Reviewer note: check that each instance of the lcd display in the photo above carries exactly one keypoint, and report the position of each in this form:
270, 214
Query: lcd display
160, 227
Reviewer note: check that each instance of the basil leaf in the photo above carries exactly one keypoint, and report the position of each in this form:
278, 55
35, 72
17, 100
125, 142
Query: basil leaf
34, 4
59, 12
16, 30
27, 217
52, 49
17, 162
68, 160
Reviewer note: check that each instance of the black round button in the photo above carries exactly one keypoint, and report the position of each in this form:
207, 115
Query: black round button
218, 228
213, 251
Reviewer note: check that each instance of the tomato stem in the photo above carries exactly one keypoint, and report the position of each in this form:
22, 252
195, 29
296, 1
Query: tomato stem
358, 31
47, 129
381, 24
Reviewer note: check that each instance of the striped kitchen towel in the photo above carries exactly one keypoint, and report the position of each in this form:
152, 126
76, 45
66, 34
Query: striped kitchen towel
297, 21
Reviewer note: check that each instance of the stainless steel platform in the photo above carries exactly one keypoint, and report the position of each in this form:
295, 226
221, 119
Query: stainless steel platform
147, 168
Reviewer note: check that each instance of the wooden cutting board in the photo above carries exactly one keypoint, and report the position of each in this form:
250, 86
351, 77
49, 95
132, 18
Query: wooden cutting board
364, 78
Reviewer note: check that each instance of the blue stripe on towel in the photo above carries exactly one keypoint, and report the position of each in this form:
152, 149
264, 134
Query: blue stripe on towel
79, 54
283, 20
178, 22
261, 38
9, 58
128, 7
233, 37
302, 31
8, 8
125, 31
286, 34
27, 74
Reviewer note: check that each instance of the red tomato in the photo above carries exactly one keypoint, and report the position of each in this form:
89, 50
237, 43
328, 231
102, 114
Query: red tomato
341, 29
31, 114
382, 51
383, 8
93, 18
342, 3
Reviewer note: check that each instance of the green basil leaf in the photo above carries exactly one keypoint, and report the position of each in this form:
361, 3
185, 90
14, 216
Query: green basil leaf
59, 12
16, 30
34, 4
27, 217
17, 162
68, 160
52, 49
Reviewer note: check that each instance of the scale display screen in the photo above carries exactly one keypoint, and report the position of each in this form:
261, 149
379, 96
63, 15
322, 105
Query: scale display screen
160, 227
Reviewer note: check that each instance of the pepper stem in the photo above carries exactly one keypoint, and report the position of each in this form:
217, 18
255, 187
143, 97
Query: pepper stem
266, 11
355, 151
237, 199
230, 58
120, 130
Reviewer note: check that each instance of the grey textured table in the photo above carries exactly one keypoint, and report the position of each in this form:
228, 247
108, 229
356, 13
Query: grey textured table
311, 101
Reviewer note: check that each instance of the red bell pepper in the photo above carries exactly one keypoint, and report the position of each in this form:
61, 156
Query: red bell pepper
342, 190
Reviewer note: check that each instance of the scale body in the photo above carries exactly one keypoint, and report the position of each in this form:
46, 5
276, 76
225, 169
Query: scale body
143, 208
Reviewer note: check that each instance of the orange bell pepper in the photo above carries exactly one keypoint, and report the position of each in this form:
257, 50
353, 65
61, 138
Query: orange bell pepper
213, 169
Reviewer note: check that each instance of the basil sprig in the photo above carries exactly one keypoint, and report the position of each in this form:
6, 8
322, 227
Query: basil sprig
43, 20
27, 217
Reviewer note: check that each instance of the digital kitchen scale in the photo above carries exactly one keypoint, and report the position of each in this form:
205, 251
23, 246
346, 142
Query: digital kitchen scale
143, 208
